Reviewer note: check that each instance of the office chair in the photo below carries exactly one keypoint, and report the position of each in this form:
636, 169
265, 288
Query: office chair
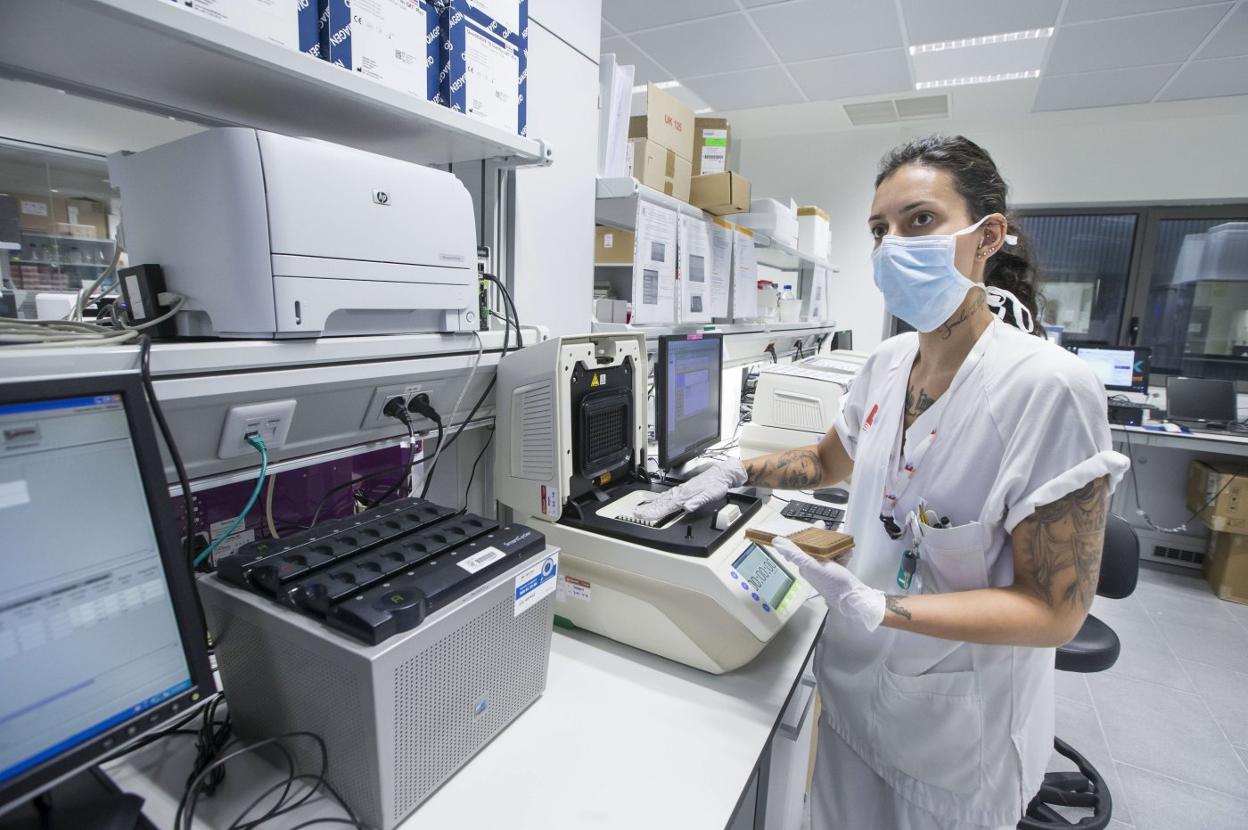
1095, 648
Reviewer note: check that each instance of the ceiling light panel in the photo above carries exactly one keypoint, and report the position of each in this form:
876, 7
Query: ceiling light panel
983, 40
933, 21
977, 79
997, 58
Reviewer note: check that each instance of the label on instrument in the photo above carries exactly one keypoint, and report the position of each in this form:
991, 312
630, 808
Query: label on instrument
536, 583
481, 559
550, 500
229, 544
572, 588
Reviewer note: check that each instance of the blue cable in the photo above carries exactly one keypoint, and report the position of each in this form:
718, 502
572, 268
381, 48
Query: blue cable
257, 442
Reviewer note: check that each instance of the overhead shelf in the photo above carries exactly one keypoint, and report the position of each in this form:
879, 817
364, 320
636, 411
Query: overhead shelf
616, 207
160, 57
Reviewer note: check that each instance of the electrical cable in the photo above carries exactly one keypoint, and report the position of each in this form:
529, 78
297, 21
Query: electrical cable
473, 473
268, 507
1182, 528
459, 400
145, 371
84, 296
257, 442
411, 457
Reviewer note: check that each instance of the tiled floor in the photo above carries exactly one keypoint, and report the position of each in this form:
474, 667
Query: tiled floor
1168, 725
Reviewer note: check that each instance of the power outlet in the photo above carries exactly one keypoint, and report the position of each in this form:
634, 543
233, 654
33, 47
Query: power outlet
270, 420
375, 417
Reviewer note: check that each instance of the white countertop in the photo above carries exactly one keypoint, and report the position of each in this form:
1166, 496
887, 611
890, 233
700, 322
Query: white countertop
620, 739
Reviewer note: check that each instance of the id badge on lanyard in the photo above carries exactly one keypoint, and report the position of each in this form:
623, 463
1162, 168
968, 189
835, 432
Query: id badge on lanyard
908, 578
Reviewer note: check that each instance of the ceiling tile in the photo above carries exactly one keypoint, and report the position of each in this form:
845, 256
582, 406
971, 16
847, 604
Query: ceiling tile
1166, 37
821, 28
707, 47
928, 21
646, 69
753, 4
632, 15
851, 76
1107, 88
1231, 38
608, 30
1078, 11
765, 87
1209, 79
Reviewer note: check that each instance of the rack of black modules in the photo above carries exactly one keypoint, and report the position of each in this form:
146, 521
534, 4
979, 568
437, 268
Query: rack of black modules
381, 572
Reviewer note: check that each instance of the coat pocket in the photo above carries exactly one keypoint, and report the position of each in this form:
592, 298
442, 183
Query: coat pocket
930, 727
955, 558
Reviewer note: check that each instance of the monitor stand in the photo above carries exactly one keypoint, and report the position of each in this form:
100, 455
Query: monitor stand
82, 802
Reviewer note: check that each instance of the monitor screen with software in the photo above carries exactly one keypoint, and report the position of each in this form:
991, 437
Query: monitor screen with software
101, 637
688, 371
1120, 368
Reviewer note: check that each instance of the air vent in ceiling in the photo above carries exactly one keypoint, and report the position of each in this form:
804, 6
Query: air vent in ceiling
892, 110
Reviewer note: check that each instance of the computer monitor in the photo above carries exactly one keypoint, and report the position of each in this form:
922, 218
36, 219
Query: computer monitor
1120, 368
101, 634
688, 370
1200, 399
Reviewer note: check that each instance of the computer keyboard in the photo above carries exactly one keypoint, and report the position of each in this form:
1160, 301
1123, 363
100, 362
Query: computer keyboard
805, 511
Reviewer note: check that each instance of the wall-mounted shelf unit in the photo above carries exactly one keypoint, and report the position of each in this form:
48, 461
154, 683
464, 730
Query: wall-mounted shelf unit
163, 58
779, 255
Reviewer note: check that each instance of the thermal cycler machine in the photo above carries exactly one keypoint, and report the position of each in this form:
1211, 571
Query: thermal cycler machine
572, 428
269, 236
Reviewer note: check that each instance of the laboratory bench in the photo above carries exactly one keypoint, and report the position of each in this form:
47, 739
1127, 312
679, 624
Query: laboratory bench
1214, 441
620, 739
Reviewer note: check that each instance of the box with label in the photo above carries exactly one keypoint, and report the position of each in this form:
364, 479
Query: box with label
87, 217
393, 42
721, 194
481, 74
507, 20
1217, 493
288, 23
613, 247
814, 231
659, 168
711, 140
34, 213
774, 218
667, 122
1226, 566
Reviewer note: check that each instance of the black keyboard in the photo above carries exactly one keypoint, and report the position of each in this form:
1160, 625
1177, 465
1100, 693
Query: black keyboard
807, 512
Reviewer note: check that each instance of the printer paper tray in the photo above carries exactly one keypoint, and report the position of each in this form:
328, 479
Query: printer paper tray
307, 307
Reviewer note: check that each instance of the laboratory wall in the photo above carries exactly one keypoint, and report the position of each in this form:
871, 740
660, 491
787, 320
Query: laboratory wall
554, 206
1192, 153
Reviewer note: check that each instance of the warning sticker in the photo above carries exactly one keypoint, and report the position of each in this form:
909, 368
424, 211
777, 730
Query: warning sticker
572, 588
481, 559
230, 544
550, 500
536, 583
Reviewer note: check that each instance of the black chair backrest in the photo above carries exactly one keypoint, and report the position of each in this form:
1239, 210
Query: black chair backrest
1120, 559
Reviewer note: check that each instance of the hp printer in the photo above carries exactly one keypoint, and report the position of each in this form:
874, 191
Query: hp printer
269, 236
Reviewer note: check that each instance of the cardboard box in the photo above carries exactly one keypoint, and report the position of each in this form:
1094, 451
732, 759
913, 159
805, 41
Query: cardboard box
712, 139
667, 122
613, 247
1226, 566
482, 75
611, 311
35, 213
393, 42
660, 168
1224, 489
721, 194
814, 231
291, 24
81, 218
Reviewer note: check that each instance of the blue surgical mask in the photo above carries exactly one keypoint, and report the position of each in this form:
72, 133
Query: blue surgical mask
918, 278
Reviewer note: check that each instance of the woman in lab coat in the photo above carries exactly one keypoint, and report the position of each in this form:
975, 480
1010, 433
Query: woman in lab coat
982, 472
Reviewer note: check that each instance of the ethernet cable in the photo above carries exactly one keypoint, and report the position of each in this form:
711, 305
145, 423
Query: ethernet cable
257, 442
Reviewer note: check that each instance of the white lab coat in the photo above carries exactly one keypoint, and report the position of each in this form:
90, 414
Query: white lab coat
957, 731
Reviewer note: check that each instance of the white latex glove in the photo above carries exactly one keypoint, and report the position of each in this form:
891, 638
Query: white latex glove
711, 485
844, 592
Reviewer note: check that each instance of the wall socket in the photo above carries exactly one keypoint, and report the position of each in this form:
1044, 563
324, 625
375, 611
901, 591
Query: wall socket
270, 420
375, 417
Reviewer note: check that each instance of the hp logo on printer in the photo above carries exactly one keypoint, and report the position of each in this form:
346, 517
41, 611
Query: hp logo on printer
381, 197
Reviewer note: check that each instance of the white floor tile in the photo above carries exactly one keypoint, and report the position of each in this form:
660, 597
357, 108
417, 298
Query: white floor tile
1215, 645
1072, 686
1145, 654
1165, 804
1226, 692
1080, 727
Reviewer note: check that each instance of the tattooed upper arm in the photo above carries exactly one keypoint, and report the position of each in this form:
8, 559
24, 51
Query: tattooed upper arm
1057, 549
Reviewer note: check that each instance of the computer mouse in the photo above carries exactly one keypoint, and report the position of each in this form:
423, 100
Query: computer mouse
836, 495
725, 516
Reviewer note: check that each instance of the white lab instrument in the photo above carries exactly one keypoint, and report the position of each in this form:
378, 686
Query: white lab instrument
796, 403
270, 236
571, 438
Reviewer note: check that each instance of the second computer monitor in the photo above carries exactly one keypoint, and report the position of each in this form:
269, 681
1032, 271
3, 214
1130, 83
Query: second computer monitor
687, 374
1120, 368
1201, 400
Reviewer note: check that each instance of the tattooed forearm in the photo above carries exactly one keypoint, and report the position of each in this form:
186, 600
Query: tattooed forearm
789, 470
893, 603
1057, 550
